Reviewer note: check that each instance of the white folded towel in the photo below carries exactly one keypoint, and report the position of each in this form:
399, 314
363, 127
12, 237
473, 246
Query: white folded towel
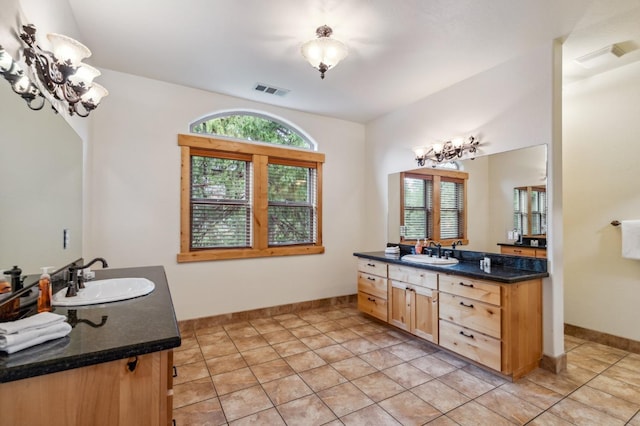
15, 342
631, 239
40, 320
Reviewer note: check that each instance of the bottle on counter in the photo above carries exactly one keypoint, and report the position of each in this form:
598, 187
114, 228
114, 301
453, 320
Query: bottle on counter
9, 310
44, 299
418, 246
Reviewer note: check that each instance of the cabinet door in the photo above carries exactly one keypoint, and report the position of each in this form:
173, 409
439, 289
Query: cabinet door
400, 305
424, 306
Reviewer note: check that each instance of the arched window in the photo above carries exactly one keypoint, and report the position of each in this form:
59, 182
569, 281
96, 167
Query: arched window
253, 127
243, 200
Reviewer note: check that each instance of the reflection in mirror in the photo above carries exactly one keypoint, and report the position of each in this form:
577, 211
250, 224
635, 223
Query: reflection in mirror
40, 186
530, 211
490, 192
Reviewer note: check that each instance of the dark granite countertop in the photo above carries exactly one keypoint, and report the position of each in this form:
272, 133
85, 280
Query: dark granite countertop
105, 332
504, 269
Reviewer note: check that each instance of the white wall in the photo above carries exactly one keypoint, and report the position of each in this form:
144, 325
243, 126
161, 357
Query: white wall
601, 181
508, 107
134, 208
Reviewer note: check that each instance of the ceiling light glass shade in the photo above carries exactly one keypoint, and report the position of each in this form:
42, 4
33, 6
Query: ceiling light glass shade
5, 61
95, 94
68, 50
84, 75
324, 53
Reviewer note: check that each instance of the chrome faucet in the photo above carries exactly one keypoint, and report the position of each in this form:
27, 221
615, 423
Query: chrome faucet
438, 247
76, 280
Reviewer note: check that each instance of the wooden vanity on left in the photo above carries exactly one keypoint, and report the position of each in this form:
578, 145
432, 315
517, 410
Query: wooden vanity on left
114, 368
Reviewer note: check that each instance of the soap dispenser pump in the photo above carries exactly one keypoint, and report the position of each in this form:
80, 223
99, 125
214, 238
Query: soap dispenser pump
44, 299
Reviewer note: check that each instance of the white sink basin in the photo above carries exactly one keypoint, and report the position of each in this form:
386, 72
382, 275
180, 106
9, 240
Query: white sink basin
428, 260
104, 291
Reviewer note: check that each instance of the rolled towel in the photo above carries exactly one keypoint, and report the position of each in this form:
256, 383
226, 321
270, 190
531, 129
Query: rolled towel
15, 342
40, 320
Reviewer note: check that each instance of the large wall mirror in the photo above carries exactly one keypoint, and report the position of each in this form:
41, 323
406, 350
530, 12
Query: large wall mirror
490, 195
40, 186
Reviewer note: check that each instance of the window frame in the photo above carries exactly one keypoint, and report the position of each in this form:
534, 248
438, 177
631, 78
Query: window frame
437, 175
260, 154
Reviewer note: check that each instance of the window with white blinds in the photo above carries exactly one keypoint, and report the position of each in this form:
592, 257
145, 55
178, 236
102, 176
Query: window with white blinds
433, 205
242, 200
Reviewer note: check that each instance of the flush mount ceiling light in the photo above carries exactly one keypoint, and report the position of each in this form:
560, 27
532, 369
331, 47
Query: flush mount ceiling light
61, 72
323, 52
447, 151
600, 56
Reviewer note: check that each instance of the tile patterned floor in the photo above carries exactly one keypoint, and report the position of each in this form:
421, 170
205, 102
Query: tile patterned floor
334, 366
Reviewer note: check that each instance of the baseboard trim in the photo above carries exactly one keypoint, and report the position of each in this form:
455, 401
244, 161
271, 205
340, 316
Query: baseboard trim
602, 338
191, 325
556, 364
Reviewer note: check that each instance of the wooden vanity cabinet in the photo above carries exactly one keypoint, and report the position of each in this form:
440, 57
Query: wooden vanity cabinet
524, 251
413, 302
108, 394
372, 288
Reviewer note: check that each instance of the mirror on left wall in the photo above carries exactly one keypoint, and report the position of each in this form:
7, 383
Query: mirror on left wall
40, 186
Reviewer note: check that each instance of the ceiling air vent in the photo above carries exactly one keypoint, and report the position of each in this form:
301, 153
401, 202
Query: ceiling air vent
260, 87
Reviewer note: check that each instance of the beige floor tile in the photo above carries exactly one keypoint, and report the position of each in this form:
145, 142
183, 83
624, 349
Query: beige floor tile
268, 327
203, 413
240, 332
192, 392
365, 330
260, 355
372, 415
485, 375
304, 361
509, 406
441, 396
269, 417
577, 374
333, 353
234, 380
285, 317
433, 366
213, 338
600, 352
344, 399
318, 341
473, 414
635, 421
305, 331
465, 383
327, 326
571, 342
407, 351
586, 362
378, 386
307, 411
188, 343
351, 321
605, 402
236, 325
244, 402
279, 336
352, 368
321, 378
290, 348
381, 359
630, 362
451, 359
272, 370
624, 375
616, 388
225, 363
548, 419
408, 409
342, 335
247, 343
555, 382
189, 372
442, 421
218, 349
360, 346
313, 317
209, 330
293, 323
407, 375
533, 393
580, 414
384, 339
286, 389
187, 356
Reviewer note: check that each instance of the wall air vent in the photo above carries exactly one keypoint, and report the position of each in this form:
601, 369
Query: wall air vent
265, 88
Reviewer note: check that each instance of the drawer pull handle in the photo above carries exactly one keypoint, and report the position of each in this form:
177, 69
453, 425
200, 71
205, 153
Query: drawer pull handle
470, 336
466, 285
371, 264
371, 279
467, 306
371, 299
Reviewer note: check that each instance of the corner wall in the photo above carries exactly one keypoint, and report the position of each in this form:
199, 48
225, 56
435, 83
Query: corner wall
134, 211
601, 184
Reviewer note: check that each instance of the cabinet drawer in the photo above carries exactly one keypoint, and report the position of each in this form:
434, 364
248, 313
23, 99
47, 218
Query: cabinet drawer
518, 251
470, 313
372, 267
372, 284
471, 344
471, 288
415, 276
372, 305
541, 253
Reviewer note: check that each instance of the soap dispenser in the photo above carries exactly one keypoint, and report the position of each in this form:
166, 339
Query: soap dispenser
44, 299
418, 246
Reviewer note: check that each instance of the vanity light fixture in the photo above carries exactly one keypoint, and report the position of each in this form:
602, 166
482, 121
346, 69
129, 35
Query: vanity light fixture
447, 151
324, 52
61, 72
19, 82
